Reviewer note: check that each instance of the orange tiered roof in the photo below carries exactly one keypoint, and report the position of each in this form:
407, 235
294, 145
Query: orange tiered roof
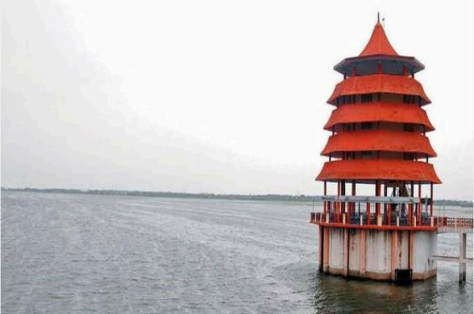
379, 51
378, 83
379, 111
379, 140
378, 44
364, 76
378, 169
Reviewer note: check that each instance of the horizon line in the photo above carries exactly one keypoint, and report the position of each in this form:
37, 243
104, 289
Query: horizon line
210, 194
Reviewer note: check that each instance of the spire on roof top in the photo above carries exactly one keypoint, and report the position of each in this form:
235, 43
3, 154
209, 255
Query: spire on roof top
378, 43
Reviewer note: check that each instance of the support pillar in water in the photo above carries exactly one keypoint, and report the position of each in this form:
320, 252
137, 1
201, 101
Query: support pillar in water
462, 256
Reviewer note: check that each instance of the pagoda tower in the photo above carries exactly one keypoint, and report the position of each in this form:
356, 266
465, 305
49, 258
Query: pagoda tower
379, 141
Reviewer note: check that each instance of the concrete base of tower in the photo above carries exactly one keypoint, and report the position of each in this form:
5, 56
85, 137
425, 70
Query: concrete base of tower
377, 254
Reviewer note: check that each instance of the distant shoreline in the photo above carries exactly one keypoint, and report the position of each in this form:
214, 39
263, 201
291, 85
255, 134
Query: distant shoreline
259, 197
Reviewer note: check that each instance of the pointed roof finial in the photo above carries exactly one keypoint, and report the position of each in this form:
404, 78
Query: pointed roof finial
378, 17
378, 43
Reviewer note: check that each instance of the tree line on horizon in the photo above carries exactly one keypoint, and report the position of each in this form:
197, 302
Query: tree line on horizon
261, 197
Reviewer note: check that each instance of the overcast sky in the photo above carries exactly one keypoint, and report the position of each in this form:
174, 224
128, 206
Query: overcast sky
211, 96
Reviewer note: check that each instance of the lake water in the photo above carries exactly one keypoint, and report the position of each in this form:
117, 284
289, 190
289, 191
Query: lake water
65, 253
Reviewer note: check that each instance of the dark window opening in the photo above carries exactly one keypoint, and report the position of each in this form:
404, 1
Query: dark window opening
410, 99
350, 99
350, 155
408, 156
366, 126
348, 127
366, 98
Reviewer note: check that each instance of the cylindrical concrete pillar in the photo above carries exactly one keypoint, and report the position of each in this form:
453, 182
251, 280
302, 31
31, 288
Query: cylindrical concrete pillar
362, 253
326, 251
393, 253
462, 257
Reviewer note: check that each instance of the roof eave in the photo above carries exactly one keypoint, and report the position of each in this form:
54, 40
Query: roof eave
418, 66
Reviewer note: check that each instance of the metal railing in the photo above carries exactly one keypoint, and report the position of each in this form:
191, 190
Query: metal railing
364, 219
380, 211
401, 221
454, 222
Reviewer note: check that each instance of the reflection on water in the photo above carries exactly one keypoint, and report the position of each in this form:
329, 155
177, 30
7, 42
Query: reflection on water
337, 294
108, 254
